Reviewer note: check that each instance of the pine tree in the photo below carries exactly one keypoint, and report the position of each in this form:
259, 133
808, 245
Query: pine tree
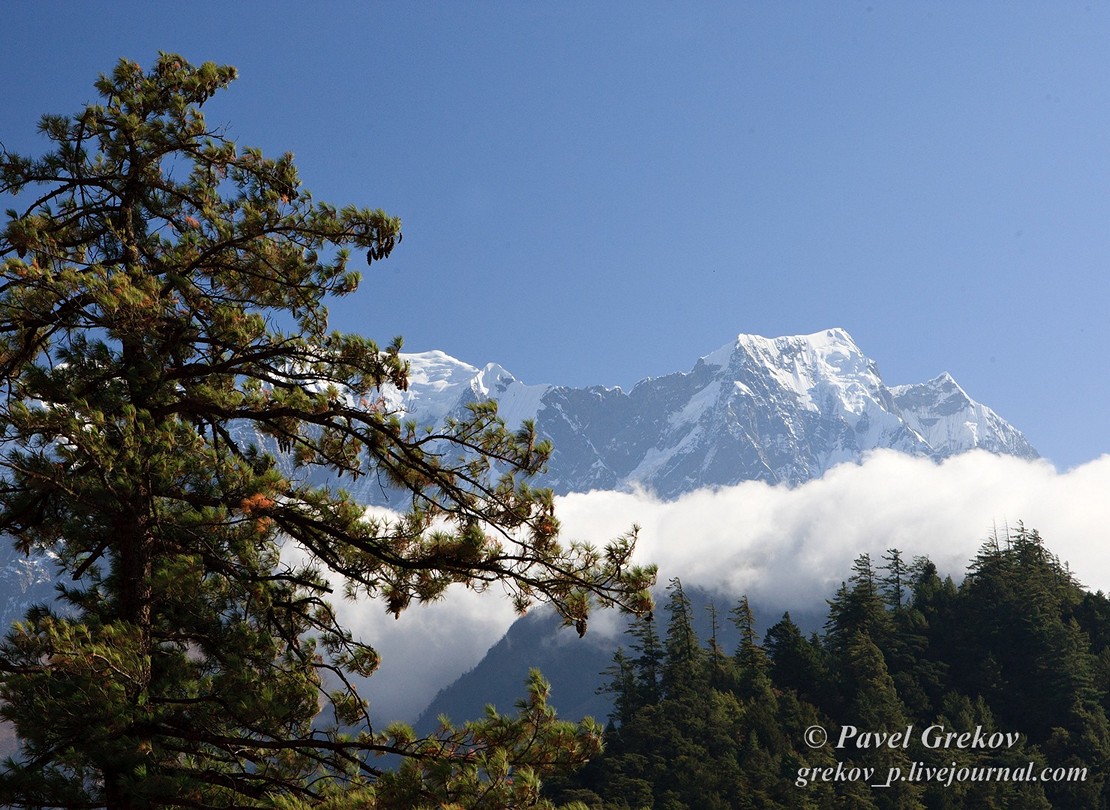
1019, 600
143, 284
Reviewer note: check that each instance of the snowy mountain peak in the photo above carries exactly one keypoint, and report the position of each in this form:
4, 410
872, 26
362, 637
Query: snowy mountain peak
832, 343
782, 409
492, 380
434, 382
516, 401
951, 421
941, 392
811, 368
433, 373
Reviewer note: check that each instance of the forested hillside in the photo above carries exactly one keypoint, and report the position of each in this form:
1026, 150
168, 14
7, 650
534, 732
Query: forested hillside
1015, 659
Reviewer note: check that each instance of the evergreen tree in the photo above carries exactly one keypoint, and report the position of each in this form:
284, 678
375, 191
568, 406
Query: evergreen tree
796, 662
752, 665
622, 686
931, 595
875, 705
719, 672
956, 658
858, 606
929, 627
683, 658
648, 664
1021, 642
895, 579
143, 284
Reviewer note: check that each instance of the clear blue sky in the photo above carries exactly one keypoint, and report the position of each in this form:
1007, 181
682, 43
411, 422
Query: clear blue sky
599, 192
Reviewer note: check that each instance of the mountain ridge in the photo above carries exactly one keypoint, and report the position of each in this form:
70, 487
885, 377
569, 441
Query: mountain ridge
778, 410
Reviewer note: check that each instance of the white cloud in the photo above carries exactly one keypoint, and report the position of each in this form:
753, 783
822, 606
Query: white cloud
790, 548
427, 647
785, 548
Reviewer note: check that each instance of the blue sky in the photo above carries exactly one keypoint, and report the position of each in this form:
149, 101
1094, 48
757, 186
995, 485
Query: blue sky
599, 192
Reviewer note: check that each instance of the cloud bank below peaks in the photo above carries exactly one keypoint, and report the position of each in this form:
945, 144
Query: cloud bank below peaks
789, 548
786, 548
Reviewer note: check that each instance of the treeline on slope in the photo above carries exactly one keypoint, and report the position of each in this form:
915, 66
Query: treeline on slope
1019, 646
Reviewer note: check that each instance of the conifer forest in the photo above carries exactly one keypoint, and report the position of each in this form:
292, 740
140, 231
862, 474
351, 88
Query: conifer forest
1016, 658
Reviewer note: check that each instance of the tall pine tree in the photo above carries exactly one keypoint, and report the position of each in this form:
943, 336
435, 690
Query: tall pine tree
142, 287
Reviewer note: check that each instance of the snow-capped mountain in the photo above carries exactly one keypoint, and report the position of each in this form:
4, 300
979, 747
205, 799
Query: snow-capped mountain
780, 410
951, 422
